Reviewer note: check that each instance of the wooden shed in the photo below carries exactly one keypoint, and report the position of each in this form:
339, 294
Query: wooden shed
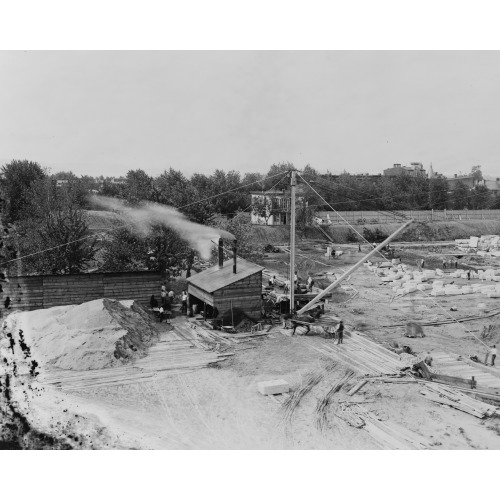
228, 289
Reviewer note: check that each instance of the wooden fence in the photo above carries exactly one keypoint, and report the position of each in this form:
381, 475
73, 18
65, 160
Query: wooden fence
41, 292
382, 217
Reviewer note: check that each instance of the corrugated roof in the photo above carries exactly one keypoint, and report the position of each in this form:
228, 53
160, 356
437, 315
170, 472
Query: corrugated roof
213, 279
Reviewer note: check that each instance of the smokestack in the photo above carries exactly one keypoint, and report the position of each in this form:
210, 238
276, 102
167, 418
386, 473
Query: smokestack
221, 253
234, 257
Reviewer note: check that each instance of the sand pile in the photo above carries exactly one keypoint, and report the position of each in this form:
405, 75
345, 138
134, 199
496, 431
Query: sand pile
93, 335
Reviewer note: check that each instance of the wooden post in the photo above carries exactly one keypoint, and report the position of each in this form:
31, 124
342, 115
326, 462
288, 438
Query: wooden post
292, 241
232, 319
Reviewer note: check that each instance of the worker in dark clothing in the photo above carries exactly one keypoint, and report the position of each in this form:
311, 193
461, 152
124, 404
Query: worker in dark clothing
340, 332
184, 302
153, 303
168, 309
468, 274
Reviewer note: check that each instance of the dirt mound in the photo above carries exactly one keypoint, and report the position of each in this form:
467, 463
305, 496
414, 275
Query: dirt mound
93, 335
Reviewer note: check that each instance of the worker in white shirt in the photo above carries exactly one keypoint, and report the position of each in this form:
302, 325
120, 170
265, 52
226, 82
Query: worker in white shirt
310, 283
493, 352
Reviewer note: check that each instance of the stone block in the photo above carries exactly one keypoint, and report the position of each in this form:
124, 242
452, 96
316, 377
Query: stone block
273, 387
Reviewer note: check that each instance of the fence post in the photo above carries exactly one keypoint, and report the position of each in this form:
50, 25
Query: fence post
432, 214
445, 213
482, 215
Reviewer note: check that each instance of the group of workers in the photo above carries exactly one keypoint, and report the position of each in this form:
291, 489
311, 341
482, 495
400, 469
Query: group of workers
449, 263
167, 298
298, 287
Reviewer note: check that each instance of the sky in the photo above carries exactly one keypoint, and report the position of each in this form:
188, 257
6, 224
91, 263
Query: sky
105, 112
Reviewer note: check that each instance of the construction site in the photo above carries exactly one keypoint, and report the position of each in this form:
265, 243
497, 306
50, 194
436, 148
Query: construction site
321, 345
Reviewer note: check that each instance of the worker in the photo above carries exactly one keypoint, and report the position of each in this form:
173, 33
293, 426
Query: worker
164, 287
171, 296
295, 279
444, 262
163, 295
272, 281
286, 287
310, 283
168, 310
340, 332
153, 303
359, 247
162, 313
428, 359
493, 352
333, 252
468, 274
184, 300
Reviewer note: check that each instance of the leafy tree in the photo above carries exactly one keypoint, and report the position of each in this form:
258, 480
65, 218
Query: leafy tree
252, 181
304, 214
460, 196
138, 186
54, 228
480, 197
174, 189
476, 173
123, 250
272, 176
161, 250
249, 246
16, 180
231, 197
438, 193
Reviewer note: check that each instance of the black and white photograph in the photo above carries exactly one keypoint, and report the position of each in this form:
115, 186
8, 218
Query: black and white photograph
250, 249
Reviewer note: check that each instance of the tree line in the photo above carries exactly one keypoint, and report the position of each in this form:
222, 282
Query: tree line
38, 214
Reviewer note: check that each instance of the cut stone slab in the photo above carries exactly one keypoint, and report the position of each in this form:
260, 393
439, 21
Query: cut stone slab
273, 387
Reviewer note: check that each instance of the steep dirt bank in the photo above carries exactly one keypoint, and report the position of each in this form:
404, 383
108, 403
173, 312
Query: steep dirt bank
421, 231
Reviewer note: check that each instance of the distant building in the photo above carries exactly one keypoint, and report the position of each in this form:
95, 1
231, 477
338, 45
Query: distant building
414, 169
61, 182
492, 185
118, 181
467, 179
272, 208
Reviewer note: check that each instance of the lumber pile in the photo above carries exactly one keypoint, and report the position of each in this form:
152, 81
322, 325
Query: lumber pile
456, 399
388, 435
206, 338
361, 355
163, 359
450, 364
